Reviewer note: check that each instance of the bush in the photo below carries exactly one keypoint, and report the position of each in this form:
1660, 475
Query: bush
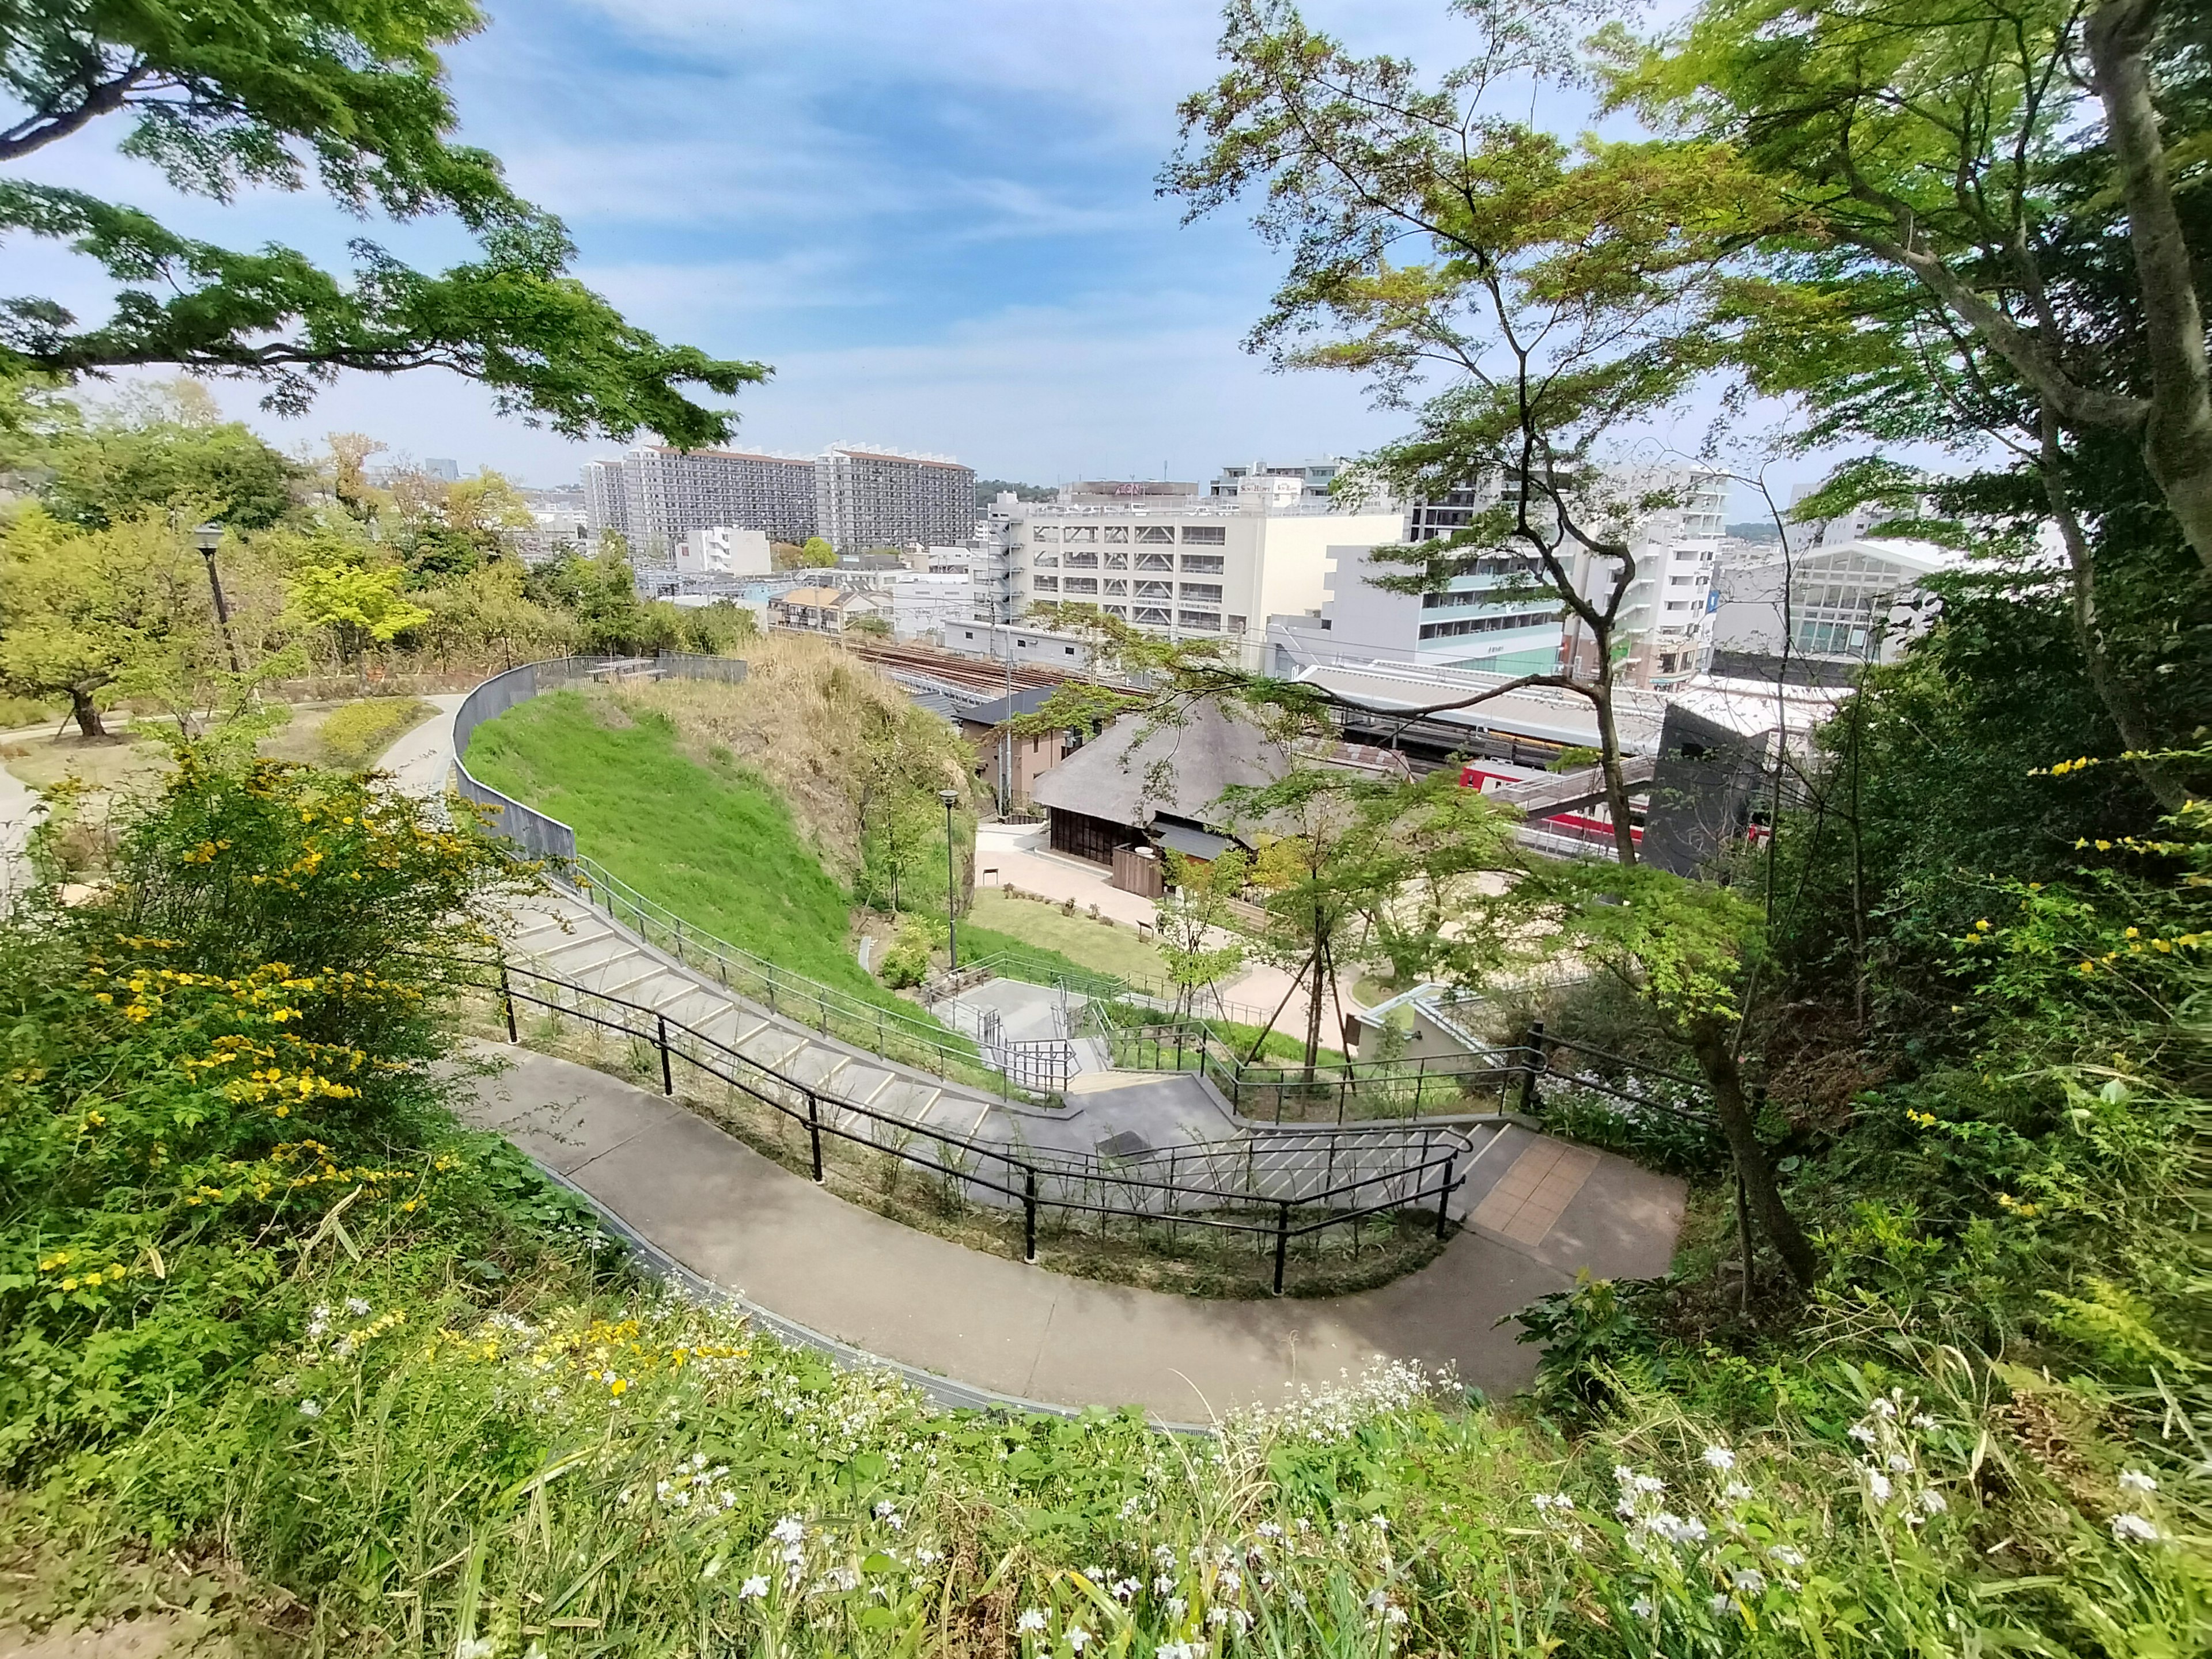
907, 963
355, 735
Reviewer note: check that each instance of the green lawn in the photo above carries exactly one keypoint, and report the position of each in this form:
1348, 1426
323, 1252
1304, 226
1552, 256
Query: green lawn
1089, 945
717, 846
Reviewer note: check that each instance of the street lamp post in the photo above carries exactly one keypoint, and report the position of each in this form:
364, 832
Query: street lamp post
950, 797
208, 538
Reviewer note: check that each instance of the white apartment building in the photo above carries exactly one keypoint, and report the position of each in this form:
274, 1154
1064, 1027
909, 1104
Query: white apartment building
724, 549
868, 498
1189, 568
1663, 623
653, 495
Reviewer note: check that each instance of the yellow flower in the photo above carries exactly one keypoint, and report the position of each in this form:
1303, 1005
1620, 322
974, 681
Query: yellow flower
69, 1284
2132, 933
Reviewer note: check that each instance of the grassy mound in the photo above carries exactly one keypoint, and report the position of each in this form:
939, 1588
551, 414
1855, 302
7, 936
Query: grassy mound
713, 841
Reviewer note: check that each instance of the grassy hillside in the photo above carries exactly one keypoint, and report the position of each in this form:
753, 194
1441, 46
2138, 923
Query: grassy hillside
713, 841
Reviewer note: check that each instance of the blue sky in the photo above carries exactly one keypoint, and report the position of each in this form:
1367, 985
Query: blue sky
936, 219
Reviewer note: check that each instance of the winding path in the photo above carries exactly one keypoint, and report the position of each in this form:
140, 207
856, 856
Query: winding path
715, 1206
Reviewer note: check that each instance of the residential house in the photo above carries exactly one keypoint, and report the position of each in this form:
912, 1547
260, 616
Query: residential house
824, 609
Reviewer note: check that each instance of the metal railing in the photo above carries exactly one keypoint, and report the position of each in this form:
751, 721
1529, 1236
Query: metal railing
1035, 1183
1040, 968
1494, 1079
916, 1039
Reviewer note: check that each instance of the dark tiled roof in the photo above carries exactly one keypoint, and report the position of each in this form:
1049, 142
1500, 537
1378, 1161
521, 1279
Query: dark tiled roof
1180, 770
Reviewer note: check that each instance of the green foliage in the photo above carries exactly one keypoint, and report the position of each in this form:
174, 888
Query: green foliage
717, 845
907, 963
357, 605
354, 735
128, 468
222, 101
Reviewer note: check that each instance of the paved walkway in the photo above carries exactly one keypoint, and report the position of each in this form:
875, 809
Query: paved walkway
727, 1213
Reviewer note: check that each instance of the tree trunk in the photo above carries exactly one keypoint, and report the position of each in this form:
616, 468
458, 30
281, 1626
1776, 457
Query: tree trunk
1313, 1009
2177, 434
86, 712
2129, 713
1709, 1042
1608, 751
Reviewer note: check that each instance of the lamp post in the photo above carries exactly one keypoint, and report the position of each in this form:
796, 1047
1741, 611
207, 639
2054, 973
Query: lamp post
950, 797
208, 538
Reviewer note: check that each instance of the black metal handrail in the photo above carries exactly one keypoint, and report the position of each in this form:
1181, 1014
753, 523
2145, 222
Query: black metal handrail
1029, 1193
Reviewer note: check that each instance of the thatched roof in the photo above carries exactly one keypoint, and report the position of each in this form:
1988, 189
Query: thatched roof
1178, 770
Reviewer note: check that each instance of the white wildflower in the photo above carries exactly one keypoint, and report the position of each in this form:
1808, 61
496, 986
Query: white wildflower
1922, 1421
1750, 1580
1125, 1588
1165, 1554
1642, 1607
1076, 1638
753, 1588
787, 1530
1164, 1584
1649, 1483
1719, 1457
1878, 1485
2137, 1480
1178, 1606
1933, 1501
1899, 1462
1736, 1491
1032, 1621
2128, 1527
1723, 1602
1787, 1555
1217, 1617
311, 1406
1860, 1432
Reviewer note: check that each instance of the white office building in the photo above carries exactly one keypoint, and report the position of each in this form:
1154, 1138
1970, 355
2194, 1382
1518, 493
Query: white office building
1663, 623
1186, 569
724, 550
654, 495
1837, 605
1308, 481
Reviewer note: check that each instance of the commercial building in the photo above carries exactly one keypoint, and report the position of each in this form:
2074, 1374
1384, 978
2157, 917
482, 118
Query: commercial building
1835, 606
1308, 481
1661, 624
724, 550
869, 498
1188, 567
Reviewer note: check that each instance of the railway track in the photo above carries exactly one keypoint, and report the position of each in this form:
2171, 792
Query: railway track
968, 671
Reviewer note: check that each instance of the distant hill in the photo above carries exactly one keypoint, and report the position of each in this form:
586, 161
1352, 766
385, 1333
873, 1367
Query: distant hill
1758, 530
987, 488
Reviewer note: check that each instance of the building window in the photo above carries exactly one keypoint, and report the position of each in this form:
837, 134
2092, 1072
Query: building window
1236, 625
1044, 582
1117, 533
1116, 585
1203, 564
1153, 616
1079, 532
1080, 585
1202, 592
1450, 631
1117, 560
1082, 562
1155, 532
1154, 590
1120, 611
1209, 621
1155, 561
1205, 535
1044, 533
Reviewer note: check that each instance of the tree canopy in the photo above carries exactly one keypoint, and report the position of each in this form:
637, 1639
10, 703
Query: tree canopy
352, 98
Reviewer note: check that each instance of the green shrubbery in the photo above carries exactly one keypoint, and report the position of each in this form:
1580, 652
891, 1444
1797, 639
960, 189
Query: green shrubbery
354, 734
260, 1292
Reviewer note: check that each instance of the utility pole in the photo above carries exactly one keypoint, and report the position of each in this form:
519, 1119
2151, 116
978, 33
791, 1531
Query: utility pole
208, 538
952, 883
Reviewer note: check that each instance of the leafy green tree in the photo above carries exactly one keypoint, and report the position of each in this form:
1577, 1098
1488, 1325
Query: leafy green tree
816, 554
223, 99
138, 461
1563, 293
85, 614
357, 605
1938, 175
1190, 922
869, 626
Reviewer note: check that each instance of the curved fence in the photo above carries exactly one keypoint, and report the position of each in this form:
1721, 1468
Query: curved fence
1232, 1189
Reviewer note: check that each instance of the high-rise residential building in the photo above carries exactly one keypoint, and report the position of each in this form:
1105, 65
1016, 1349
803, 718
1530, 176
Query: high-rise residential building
868, 498
655, 496
858, 498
